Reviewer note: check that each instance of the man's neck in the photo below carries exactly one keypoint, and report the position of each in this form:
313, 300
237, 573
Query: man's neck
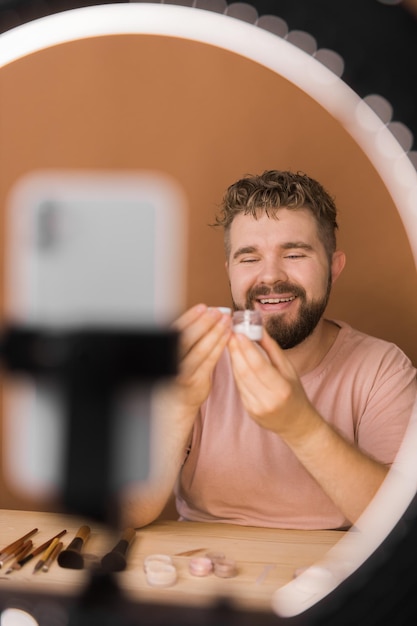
308, 355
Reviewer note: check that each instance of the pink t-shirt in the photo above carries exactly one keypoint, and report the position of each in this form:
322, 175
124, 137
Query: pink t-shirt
237, 472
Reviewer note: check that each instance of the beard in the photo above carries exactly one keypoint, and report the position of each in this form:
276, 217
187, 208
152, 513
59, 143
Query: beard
290, 333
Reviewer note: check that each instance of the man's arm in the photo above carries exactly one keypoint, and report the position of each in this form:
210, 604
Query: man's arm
204, 334
348, 476
171, 426
274, 397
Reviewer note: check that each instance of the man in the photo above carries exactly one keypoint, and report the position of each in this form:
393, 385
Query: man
299, 429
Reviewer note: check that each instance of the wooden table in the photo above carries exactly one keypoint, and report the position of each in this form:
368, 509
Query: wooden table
267, 558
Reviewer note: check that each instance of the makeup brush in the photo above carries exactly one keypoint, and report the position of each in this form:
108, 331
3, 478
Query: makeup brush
71, 557
115, 560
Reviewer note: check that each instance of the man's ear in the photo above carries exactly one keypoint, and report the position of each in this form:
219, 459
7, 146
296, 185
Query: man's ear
338, 264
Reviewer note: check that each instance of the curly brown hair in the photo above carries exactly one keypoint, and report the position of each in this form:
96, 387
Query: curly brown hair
258, 194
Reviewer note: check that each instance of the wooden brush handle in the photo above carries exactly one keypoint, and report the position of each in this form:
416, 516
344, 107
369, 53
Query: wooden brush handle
80, 538
125, 541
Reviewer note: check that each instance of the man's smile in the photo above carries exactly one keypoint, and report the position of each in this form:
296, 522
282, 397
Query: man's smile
276, 300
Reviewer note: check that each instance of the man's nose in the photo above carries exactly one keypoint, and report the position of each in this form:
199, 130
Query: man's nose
273, 271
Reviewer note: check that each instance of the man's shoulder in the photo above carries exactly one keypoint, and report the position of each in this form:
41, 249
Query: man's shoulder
354, 341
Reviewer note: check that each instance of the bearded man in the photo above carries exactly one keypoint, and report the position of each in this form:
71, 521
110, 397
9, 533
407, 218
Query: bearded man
299, 429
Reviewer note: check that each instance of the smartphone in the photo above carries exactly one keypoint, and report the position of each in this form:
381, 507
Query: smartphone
87, 249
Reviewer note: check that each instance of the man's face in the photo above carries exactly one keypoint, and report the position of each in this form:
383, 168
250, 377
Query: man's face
280, 267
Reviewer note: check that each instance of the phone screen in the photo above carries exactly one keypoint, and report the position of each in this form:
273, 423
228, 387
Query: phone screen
87, 249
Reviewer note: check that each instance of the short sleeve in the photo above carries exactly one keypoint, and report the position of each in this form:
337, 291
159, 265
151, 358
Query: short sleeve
382, 426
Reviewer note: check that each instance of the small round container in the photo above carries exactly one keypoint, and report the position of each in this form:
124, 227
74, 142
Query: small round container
227, 568
215, 556
162, 575
225, 310
200, 566
153, 561
248, 323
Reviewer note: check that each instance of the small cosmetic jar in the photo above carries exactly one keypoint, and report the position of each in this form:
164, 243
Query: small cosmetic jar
164, 575
159, 570
224, 309
154, 560
200, 566
248, 323
227, 568
215, 557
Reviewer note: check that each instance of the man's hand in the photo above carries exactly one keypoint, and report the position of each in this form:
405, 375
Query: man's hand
204, 333
269, 386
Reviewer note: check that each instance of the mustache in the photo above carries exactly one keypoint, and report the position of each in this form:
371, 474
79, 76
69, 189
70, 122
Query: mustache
278, 288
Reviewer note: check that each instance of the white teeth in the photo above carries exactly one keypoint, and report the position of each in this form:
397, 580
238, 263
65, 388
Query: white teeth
276, 300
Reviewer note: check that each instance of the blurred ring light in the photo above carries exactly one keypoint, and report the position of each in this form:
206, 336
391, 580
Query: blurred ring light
17, 617
369, 132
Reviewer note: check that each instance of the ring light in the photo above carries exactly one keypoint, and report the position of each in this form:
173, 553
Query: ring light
385, 144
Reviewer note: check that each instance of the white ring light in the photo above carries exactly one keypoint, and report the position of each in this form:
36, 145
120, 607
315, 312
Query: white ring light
370, 133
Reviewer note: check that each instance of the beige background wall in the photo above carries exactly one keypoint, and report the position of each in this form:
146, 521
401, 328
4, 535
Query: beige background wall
206, 117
